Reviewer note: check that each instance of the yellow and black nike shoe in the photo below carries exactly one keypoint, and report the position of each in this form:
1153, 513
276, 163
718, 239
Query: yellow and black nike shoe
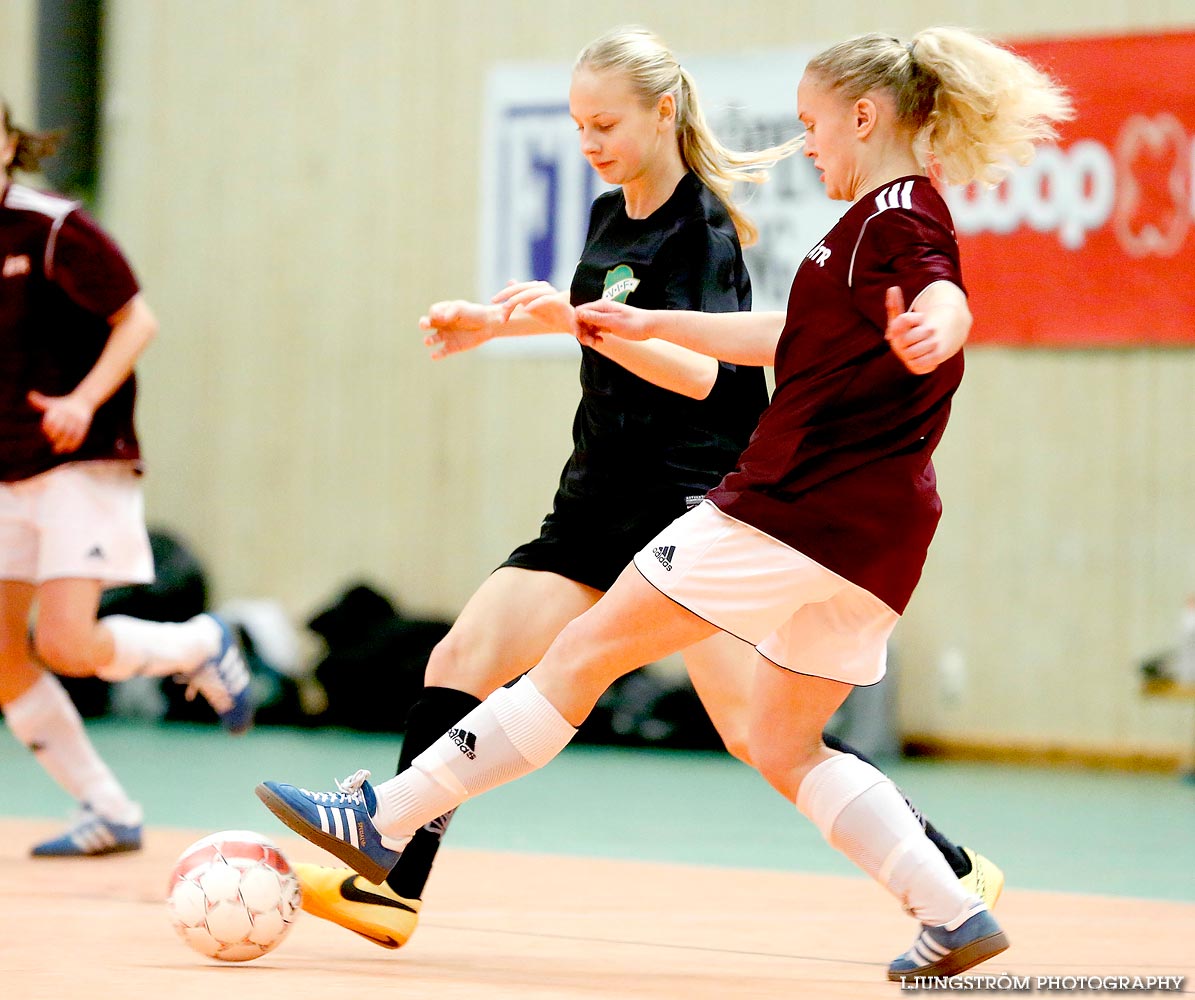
375, 912
984, 879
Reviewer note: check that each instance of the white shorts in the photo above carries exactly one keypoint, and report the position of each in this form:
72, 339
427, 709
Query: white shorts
797, 613
82, 520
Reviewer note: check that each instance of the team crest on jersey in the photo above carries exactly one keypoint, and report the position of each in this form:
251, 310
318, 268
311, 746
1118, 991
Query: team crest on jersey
620, 282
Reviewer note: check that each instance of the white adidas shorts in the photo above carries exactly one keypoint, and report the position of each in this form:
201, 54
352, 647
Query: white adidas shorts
797, 613
82, 520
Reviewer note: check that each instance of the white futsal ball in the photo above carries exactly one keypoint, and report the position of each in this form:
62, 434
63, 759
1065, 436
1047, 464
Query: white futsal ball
233, 896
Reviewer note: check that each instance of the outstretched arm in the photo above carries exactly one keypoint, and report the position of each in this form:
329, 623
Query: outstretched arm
663, 364
742, 338
456, 326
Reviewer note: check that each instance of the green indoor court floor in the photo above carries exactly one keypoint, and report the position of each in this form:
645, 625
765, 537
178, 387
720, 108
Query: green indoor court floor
1071, 830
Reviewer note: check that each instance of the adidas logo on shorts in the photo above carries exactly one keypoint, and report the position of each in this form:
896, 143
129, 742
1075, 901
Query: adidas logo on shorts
664, 554
466, 741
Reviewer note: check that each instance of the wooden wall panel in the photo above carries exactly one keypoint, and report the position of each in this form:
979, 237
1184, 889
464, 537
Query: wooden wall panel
296, 181
1064, 553
18, 56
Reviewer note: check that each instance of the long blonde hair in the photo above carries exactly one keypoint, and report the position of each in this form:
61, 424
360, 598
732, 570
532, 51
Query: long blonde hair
32, 147
653, 71
974, 108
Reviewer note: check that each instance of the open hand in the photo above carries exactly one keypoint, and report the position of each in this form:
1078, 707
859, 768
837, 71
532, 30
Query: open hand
539, 300
456, 326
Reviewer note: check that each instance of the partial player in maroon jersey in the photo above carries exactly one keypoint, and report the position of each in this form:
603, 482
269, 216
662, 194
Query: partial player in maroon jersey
72, 324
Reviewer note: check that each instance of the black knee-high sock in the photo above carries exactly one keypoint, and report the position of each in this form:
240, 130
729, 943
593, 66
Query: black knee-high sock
959, 863
436, 711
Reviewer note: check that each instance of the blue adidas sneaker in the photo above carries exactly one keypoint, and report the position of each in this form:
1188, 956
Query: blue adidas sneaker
90, 836
340, 822
939, 952
223, 679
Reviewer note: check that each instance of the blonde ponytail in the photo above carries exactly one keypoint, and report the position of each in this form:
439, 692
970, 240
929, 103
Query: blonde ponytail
975, 108
653, 71
718, 167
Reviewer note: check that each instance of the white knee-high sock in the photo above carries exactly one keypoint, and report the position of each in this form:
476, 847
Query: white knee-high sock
158, 649
512, 733
46, 721
862, 814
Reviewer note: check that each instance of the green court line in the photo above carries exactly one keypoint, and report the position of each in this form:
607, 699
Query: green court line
1108, 833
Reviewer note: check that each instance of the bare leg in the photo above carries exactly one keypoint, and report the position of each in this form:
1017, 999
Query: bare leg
633, 625
504, 630
69, 638
202, 651
722, 669
520, 729
788, 713
856, 808
18, 672
41, 715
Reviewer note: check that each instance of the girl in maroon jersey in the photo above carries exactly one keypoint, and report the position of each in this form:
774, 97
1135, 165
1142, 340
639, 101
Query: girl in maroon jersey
72, 325
809, 549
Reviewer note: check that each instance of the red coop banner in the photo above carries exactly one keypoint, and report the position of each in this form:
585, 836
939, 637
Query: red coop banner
1093, 244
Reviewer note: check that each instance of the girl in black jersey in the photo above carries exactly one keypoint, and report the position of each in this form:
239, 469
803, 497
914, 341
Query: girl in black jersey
72, 324
657, 426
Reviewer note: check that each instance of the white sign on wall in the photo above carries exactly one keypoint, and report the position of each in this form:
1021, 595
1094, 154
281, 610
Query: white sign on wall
537, 187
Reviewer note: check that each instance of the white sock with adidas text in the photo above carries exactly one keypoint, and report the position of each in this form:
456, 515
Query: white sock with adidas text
862, 814
45, 720
512, 733
158, 649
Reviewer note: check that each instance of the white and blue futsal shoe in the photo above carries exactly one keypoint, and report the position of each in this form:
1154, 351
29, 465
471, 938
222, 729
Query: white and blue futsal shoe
340, 822
90, 835
223, 679
939, 952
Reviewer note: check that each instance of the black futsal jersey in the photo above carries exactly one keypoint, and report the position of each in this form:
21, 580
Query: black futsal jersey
643, 454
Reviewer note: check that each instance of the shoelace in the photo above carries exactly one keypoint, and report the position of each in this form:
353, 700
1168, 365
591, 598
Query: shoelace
348, 790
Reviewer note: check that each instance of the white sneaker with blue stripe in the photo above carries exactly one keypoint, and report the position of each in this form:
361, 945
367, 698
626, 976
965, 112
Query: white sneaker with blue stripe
340, 822
90, 835
223, 679
939, 952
